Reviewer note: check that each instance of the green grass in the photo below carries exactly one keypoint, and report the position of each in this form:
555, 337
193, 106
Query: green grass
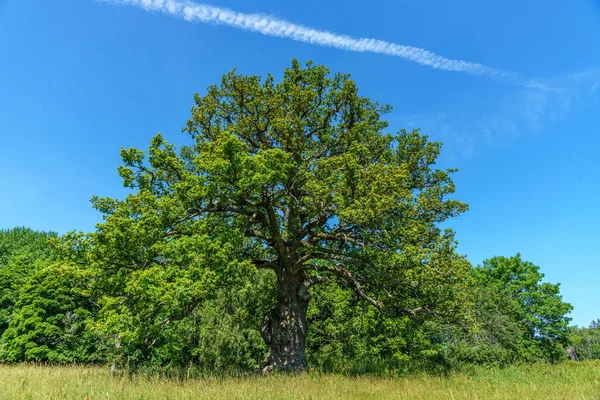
563, 381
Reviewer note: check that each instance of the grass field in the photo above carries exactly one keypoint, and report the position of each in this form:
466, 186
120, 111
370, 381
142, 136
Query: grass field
564, 381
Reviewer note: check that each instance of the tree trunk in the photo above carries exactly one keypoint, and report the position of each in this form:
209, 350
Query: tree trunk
285, 330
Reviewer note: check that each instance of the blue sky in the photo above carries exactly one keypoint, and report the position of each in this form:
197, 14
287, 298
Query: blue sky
79, 79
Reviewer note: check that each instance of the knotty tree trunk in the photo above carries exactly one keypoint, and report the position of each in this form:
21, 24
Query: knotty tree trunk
284, 331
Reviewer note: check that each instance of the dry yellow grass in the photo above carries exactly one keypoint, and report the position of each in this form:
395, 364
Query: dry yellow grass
564, 381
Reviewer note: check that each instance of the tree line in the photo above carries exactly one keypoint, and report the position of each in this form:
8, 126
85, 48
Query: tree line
292, 230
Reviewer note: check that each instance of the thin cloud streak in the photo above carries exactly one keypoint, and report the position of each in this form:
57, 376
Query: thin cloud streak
271, 26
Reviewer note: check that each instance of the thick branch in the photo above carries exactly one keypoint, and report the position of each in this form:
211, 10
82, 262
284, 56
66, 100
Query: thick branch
315, 280
265, 264
274, 226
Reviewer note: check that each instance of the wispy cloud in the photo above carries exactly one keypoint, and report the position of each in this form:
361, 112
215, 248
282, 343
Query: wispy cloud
514, 113
272, 26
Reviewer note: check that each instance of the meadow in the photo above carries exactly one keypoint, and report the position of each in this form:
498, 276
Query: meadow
538, 381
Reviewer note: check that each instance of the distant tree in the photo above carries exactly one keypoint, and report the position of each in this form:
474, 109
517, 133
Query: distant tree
296, 177
22, 252
51, 318
586, 342
518, 316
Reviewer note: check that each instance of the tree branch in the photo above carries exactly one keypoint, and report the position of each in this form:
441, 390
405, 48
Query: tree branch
315, 280
265, 264
344, 273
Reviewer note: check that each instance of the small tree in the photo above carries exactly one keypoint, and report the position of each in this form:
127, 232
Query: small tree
585, 342
51, 318
521, 316
296, 177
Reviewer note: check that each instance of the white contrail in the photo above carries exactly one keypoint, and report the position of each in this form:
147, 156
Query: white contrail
271, 26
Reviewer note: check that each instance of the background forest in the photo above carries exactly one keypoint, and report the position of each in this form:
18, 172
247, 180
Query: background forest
50, 312
292, 231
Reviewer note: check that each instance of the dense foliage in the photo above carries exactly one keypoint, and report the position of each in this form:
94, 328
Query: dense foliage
586, 342
513, 317
51, 317
22, 252
290, 229
517, 316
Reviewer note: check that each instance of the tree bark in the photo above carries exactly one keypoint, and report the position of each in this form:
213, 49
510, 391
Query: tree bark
284, 331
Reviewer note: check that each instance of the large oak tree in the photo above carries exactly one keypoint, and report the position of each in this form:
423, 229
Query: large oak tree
296, 176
